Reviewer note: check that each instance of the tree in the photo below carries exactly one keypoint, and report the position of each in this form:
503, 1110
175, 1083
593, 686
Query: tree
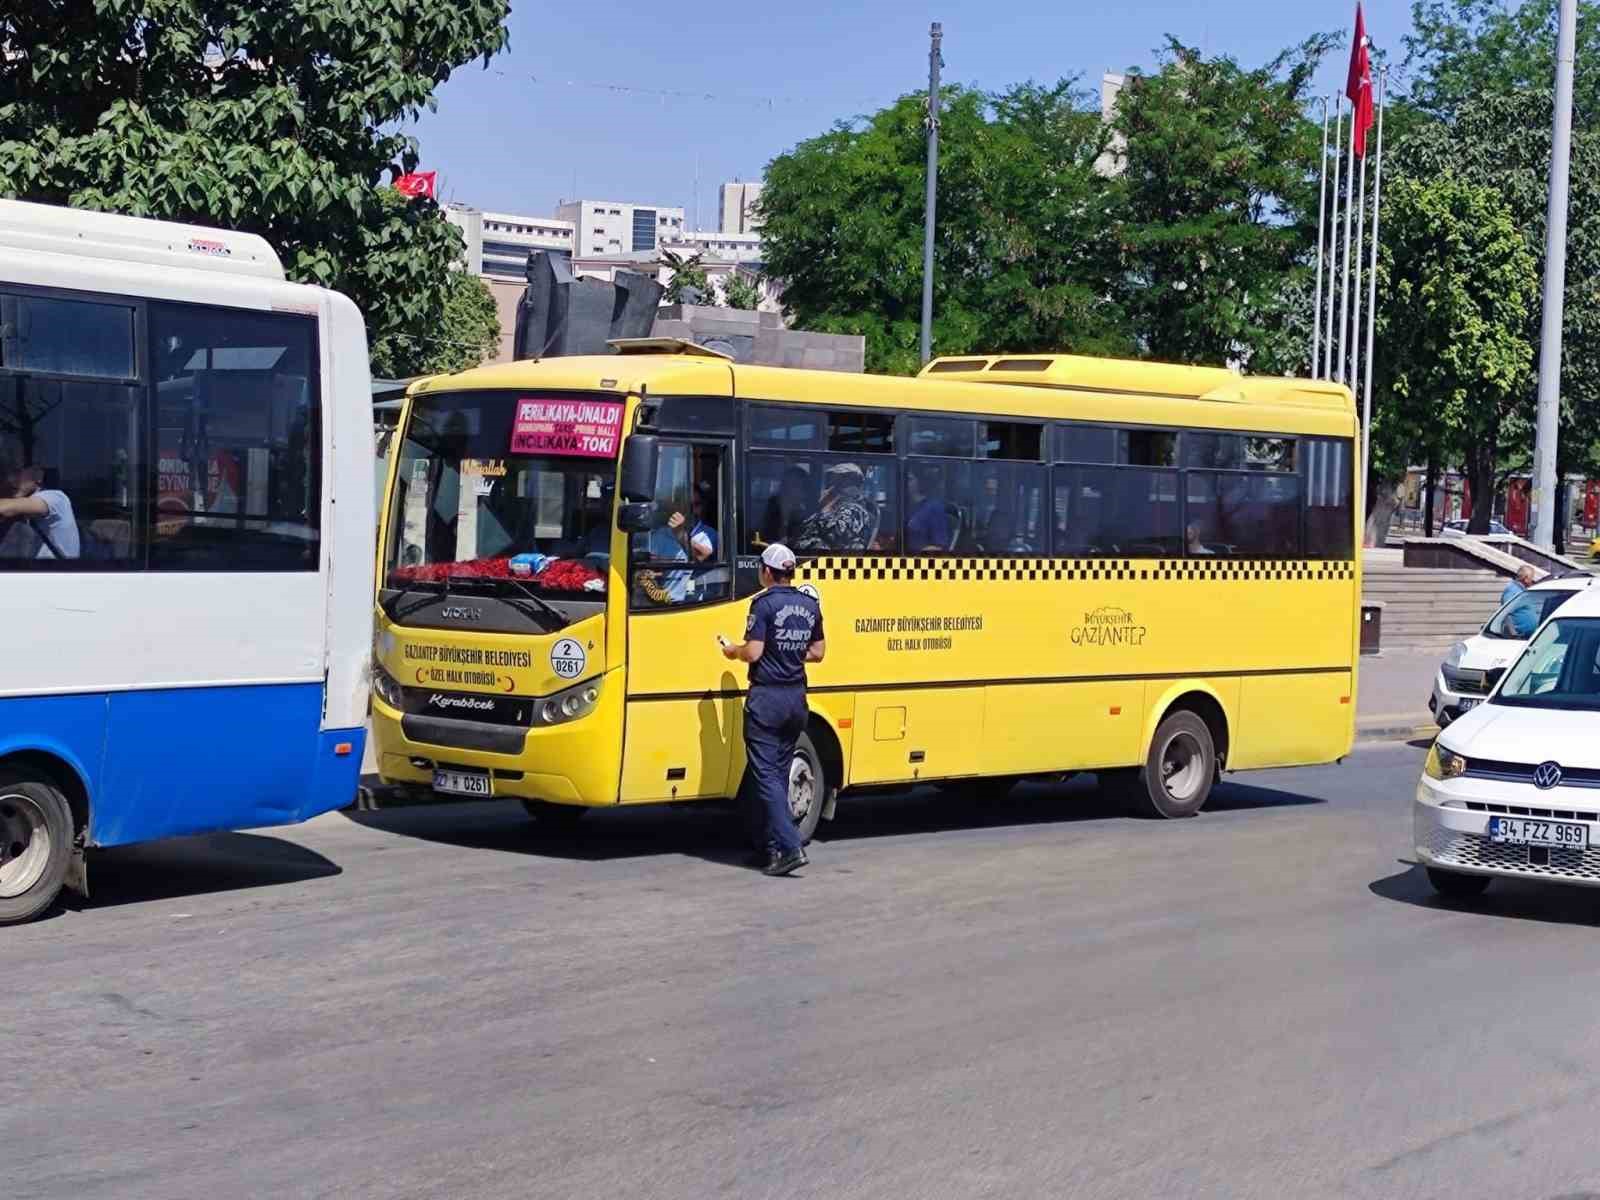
467, 332
1462, 50
740, 291
688, 283
281, 120
1024, 259
1457, 284
1217, 207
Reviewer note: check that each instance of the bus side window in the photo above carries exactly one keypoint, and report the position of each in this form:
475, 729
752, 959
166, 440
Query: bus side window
684, 558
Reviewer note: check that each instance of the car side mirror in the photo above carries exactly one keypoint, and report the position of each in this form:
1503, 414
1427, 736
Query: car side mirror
1493, 676
640, 455
635, 518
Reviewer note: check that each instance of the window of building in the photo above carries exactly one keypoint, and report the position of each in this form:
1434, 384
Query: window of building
1242, 514
644, 229
66, 337
822, 503
1128, 512
238, 477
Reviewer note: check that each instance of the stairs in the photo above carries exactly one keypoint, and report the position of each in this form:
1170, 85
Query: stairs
1429, 609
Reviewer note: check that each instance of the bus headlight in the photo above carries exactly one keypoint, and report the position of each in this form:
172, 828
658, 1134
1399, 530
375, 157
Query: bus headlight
567, 706
386, 687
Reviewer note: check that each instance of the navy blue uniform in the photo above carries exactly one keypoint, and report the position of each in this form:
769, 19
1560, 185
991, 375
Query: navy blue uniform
786, 621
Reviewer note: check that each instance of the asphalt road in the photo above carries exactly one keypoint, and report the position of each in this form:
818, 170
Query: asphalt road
1030, 997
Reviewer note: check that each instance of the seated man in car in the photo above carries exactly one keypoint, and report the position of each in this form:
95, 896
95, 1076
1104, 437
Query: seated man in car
40, 520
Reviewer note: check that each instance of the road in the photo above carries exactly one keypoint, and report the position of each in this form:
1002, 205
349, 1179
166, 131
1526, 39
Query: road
1023, 997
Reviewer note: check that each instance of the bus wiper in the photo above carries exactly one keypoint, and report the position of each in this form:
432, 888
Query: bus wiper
544, 605
427, 598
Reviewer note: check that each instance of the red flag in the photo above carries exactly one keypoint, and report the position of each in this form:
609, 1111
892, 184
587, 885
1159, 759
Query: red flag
420, 183
1358, 86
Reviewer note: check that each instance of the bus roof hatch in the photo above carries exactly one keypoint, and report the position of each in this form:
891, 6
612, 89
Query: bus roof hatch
665, 345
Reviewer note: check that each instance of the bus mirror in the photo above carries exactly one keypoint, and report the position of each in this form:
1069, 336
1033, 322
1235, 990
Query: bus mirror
639, 457
1492, 677
635, 518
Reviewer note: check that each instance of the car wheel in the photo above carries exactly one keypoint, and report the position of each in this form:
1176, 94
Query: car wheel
35, 845
1456, 884
1176, 778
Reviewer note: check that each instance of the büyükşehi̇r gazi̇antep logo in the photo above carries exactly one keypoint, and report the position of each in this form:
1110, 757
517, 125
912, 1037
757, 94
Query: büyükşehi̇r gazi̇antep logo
1108, 625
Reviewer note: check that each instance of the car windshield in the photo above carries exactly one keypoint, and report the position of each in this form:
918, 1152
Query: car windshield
1559, 669
505, 486
1525, 612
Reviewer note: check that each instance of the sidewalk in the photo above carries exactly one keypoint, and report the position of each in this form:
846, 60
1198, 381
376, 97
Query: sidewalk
1392, 694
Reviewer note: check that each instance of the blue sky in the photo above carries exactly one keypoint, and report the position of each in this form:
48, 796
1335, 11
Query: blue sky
543, 122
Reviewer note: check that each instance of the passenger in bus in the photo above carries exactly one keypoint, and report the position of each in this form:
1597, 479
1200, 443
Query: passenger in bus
785, 511
846, 519
928, 524
40, 519
995, 524
1192, 543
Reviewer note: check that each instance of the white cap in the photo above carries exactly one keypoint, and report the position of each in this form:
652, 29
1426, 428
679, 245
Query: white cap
779, 557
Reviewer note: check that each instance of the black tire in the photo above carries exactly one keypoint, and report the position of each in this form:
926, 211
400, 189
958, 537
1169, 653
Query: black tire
1457, 885
555, 816
1178, 771
809, 784
35, 845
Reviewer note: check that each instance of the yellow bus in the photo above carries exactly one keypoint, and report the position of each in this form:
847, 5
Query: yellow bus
1029, 565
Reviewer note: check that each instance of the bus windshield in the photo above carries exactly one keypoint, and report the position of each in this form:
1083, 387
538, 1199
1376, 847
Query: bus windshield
469, 505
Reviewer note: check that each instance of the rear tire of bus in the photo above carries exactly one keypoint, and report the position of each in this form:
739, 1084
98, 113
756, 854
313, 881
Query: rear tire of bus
808, 788
555, 816
1176, 778
35, 845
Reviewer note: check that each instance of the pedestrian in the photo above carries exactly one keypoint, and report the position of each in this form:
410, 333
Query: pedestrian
783, 634
1517, 586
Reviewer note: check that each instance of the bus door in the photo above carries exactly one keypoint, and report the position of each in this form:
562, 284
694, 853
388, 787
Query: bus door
683, 718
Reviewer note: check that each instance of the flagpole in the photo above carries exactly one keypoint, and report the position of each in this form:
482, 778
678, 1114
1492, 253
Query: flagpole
1355, 321
1322, 212
1349, 231
1372, 289
1333, 240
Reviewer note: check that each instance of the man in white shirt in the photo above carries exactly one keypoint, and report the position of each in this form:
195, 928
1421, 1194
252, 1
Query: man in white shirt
44, 513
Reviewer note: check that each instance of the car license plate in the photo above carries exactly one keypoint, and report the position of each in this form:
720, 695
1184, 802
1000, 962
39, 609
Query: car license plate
1523, 831
1468, 705
463, 783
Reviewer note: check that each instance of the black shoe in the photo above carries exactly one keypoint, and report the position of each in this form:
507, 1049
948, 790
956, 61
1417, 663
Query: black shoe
785, 864
758, 859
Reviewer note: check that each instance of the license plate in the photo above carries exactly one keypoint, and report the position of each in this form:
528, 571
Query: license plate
1524, 831
463, 783
1468, 705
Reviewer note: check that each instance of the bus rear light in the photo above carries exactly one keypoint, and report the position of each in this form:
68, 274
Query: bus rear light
1116, 710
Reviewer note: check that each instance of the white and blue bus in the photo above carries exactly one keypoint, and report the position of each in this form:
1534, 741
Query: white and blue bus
186, 541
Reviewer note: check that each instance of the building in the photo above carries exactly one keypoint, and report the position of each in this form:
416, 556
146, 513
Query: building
742, 248
498, 244
608, 227
737, 202
1113, 159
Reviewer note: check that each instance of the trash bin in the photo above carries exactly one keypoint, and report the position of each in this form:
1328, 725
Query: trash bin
1371, 626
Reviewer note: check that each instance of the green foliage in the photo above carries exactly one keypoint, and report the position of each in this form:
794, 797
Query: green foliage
1460, 51
281, 120
462, 332
1457, 284
1025, 258
739, 290
1217, 207
688, 280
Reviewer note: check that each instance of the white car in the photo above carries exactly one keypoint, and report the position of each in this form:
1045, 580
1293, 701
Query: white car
1459, 529
1513, 787
1461, 682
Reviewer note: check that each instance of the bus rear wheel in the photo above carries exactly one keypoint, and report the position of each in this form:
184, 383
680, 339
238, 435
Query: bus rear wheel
1176, 778
555, 816
35, 845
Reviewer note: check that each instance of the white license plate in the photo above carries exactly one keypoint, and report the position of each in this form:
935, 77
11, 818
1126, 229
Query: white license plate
1468, 705
463, 783
1526, 831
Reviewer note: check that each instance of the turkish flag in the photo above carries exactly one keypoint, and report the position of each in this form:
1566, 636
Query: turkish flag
421, 182
1358, 86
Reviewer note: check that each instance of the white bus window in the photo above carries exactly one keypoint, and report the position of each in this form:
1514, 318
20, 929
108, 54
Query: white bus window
238, 438
74, 448
66, 337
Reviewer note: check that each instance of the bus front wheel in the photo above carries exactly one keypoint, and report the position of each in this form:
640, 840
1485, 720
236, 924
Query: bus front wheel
808, 787
1176, 778
35, 845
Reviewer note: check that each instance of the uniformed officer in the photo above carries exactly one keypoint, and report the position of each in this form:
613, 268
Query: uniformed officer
782, 635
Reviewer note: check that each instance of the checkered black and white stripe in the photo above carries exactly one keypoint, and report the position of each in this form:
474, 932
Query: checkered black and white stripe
871, 567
